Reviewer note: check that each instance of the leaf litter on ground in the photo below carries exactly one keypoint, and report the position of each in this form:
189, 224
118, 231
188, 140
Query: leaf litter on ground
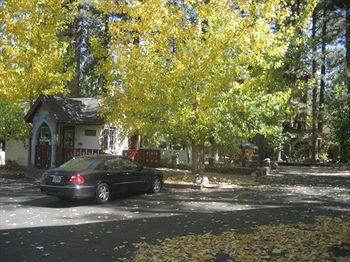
296, 242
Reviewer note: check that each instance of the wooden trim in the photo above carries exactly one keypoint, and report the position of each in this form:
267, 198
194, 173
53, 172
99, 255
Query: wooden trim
29, 116
99, 123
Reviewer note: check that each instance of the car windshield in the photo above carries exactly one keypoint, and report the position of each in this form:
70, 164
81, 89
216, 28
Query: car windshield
78, 163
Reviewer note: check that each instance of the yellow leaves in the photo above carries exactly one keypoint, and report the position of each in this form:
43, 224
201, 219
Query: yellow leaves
174, 60
108, 6
284, 97
298, 242
33, 53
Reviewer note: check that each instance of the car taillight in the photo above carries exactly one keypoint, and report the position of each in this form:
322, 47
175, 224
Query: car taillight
76, 179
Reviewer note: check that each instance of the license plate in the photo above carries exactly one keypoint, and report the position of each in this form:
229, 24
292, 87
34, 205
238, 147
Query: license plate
56, 179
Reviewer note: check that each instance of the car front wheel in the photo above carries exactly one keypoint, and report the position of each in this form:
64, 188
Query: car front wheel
103, 193
156, 185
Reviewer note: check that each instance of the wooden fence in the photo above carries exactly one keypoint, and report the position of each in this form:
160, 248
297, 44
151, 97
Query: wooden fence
69, 153
145, 157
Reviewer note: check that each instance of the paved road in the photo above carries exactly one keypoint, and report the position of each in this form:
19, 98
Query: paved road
34, 227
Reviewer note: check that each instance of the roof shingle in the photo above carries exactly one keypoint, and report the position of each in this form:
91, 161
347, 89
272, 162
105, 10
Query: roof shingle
69, 110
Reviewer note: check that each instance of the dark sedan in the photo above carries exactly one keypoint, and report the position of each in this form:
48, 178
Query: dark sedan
98, 177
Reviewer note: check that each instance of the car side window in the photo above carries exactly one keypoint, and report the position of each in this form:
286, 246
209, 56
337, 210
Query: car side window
127, 164
113, 164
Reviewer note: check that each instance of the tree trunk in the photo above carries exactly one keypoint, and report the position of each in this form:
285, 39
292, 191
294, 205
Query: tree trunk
259, 141
105, 43
138, 142
347, 46
346, 147
303, 115
188, 154
197, 158
314, 90
78, 44
214, 152
216, 155
323, 70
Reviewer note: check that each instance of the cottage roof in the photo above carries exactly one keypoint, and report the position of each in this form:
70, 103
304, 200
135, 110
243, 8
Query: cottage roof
68, 110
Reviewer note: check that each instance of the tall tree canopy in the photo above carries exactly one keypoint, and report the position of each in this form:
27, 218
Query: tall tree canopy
33, 56
321, 112
199, 69
89, 36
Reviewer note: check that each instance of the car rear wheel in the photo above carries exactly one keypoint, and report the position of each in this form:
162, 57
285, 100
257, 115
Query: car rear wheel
103, 193
156, 185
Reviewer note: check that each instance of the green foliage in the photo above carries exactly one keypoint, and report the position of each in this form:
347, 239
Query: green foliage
33, 56
199, 71
93, 35
31, 52
338, 110
175, 72
11, 121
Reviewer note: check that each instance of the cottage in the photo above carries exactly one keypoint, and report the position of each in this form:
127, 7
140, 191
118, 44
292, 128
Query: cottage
63, 128
67, 127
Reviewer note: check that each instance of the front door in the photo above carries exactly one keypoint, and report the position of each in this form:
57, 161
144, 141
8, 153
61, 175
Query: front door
68, 134
43, 147
43, 155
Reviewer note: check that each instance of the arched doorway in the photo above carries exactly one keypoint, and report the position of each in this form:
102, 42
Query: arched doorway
43, 146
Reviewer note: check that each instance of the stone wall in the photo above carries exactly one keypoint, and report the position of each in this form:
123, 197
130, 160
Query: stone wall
17, 151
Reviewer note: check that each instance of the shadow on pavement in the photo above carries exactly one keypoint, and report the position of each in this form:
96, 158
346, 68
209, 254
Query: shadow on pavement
106, 241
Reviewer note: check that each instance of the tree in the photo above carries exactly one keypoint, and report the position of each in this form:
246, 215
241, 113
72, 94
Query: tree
346, 146
11, 121
335, 16
96, 39
32, 55
314, 89
184, 81
322, 67
77, 33
339, 105
89, 38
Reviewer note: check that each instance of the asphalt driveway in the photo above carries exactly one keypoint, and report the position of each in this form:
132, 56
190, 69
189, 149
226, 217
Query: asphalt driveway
35, 227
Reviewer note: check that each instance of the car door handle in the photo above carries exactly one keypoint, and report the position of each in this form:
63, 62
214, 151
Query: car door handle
108, 174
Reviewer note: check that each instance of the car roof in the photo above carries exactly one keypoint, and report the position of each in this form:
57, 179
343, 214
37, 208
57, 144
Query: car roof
101, 156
